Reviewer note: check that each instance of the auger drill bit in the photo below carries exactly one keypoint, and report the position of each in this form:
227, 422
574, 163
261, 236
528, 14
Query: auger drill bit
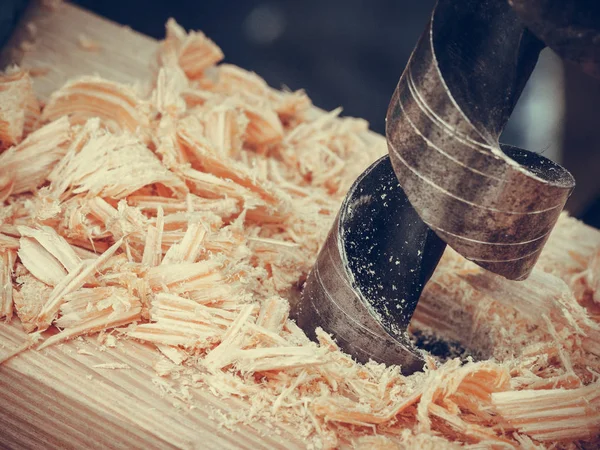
447, 179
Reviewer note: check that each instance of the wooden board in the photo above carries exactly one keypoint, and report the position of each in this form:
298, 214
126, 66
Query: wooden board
124, 54
100, 408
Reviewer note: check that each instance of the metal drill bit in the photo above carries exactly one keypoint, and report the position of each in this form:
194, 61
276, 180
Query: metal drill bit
371, 271
494, 204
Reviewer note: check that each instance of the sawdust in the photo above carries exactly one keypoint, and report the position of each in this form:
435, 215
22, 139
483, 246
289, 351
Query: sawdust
112, 366
187, 219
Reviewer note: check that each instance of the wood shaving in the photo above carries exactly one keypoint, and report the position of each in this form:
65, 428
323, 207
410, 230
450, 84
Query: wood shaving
112, 366
29, 162
117, 105
188, 218
193, 52
87, 44
7, 263
19, 109
84, 352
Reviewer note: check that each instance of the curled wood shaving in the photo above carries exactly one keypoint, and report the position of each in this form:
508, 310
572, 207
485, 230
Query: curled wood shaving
117, 105
193, 52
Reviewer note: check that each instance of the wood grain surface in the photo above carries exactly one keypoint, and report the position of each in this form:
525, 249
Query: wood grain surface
55, 52
56, 398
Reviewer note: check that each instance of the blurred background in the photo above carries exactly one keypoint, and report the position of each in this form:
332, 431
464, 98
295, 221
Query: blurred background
351, 53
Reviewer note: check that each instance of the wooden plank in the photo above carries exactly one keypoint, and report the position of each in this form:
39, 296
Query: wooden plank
115, 408
56, 398
124, 54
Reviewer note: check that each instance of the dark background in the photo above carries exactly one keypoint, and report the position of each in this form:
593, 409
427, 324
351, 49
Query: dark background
347, 53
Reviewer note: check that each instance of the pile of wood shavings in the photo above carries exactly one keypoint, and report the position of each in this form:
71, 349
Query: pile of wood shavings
186, 217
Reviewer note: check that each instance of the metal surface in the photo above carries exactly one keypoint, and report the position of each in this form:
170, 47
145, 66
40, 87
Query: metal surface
371, 271
493, 204
569, 27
